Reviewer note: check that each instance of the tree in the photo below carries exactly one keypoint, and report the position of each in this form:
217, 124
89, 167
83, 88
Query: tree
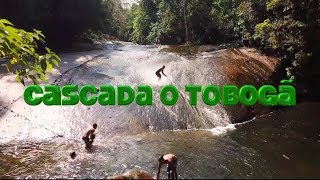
144, 16
249, 14
185, 20
18, 50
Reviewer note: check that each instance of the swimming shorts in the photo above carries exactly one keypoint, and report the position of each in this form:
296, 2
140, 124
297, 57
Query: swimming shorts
85, 139
158, 74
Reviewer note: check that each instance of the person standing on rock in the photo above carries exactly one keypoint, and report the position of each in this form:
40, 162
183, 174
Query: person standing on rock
171, 161
89, 136
158, 73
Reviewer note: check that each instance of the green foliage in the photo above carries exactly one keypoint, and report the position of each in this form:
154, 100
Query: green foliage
18, 50
263, 33
198, 21
283, 34
140, 27
284, 28
249, 13
144, 15
271, 4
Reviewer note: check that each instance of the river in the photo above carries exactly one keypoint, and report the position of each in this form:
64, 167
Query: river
210, 142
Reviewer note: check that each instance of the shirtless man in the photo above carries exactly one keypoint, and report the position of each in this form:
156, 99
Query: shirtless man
171, 161
160, 71
89, 136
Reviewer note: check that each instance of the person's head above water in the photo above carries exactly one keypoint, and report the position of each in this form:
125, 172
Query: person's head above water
95, 126
73, 155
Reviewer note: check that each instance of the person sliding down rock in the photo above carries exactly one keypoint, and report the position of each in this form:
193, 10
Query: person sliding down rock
158, 73
171, 161
89, 136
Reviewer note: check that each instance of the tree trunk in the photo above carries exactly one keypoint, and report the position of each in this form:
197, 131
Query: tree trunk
185, 21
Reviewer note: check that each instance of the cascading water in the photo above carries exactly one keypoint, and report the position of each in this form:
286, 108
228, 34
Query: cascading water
134, 66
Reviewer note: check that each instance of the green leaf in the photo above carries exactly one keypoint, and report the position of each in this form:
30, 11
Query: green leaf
27, 50
13, 60
55, 62
9, 66
7, 45
48, 50
43, 65
4, 21
49, 66
39, 33
22, 72
34, 79
48, 56
18, 79
42, 77
56, 56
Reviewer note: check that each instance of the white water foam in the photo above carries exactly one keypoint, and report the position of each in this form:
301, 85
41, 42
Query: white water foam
219, 130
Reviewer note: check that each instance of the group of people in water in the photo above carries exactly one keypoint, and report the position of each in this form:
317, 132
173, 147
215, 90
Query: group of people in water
169, 159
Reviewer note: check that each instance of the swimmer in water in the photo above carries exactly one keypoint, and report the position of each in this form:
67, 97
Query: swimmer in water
73, 155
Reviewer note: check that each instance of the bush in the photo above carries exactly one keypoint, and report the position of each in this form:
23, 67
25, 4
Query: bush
18, 50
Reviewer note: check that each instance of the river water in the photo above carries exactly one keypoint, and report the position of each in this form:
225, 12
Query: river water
277, 144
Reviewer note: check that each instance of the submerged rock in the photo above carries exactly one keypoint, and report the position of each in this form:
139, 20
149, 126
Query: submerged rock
133, 174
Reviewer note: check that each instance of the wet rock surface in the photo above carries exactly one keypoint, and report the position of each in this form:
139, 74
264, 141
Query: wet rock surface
135, 65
